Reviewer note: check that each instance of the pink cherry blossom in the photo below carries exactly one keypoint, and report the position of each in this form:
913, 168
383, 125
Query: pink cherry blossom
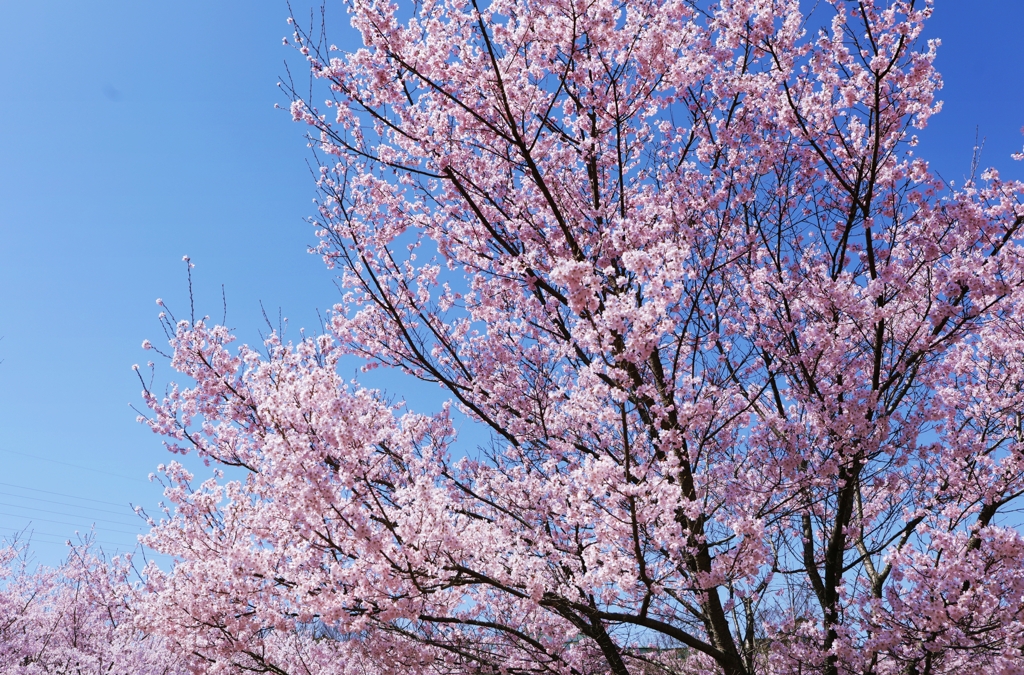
77, 618
751, 373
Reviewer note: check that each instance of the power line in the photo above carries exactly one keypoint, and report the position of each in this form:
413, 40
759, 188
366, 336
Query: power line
62, 522
69, 504
61, 513
75, 466
63, 540
59, 494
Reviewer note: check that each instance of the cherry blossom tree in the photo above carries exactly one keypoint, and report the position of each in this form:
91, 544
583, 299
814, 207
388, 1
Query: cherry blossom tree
76, 618
751, 372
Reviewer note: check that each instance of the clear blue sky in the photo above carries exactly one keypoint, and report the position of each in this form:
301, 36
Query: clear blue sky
133, 132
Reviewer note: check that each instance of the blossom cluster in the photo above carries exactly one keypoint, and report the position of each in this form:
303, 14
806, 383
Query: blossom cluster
750, 373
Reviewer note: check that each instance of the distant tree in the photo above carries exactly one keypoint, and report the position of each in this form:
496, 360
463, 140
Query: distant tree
76, 618
752, 373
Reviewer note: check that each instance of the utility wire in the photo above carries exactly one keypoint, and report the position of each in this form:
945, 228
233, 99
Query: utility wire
72, 515
60, 494
75, 466
57, 539
10, 495
69, 504
62, 522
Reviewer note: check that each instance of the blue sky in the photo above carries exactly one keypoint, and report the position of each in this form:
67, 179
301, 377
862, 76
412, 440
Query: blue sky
133, 132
